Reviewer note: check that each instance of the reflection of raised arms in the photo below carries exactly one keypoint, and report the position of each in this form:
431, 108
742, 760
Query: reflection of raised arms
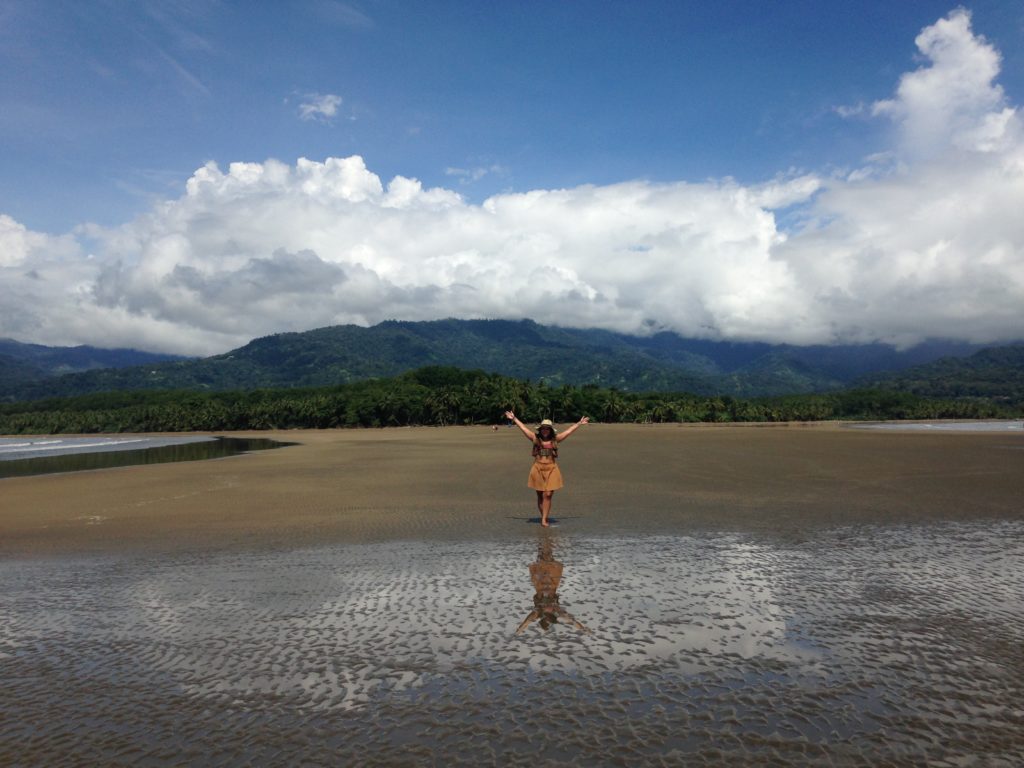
547, 618
532, 617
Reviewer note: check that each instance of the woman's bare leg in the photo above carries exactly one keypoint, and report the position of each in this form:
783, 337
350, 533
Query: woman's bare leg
544, 501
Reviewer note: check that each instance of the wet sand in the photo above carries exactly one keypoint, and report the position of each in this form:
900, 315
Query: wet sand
370, 485
751, 596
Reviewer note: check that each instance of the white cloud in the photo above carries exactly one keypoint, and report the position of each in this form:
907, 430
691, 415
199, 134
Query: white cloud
319, 106
925, 240
469, 175
952, 98
341, 14
16, 242
850, 110
186, 77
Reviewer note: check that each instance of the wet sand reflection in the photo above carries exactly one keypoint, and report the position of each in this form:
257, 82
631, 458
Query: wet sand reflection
546, 575
889, 645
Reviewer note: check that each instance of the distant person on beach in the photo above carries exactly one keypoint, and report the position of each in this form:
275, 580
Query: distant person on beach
546, 575
545, 476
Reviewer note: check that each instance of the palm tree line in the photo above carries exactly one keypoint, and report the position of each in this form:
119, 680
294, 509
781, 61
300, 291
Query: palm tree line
442, 396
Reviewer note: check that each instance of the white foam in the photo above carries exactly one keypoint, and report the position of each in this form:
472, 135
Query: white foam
950, 426
58, 445
20, 448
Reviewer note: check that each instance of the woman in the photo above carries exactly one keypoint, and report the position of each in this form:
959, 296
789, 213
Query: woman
545, 477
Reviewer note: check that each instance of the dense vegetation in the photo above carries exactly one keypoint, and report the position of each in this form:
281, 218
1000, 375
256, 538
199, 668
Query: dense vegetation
15, 374
437, 395
521, 349
21, 364
995, 374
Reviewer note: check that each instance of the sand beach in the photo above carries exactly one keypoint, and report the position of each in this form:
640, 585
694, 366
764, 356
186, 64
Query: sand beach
470, 482
794, 594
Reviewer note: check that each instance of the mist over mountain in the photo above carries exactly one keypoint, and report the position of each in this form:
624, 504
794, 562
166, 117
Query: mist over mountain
523, 349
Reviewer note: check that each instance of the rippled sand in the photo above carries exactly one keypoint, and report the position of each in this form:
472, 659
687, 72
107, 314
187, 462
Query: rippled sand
750, 596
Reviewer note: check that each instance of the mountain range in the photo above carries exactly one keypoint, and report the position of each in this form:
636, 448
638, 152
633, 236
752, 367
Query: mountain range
995, 374
522, 349
24, 365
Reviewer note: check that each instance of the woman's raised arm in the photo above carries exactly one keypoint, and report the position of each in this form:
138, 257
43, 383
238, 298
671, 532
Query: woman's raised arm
564, 434
525, 429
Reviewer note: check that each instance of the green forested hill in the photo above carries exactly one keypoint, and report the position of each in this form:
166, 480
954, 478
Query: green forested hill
23, 367
15, 373
438, 395
520, 349
995, 374
51, 361
777, 373
348, 353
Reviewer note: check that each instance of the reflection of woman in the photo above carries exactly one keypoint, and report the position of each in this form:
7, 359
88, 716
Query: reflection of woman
545, 476
546, 574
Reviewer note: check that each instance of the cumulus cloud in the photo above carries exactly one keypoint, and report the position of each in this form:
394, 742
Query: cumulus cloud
925, 240
319, 106
954, 99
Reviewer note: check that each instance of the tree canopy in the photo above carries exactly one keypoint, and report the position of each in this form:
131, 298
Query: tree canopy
441, 395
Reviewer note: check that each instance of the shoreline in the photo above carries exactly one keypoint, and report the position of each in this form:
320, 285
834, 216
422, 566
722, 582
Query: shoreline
28, 447
460, 483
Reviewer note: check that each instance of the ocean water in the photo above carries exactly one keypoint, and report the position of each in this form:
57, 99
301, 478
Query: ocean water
15, 448
948, 426
21, 456
868, 645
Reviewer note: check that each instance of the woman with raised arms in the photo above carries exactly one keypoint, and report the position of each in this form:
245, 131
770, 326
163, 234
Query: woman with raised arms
545, 476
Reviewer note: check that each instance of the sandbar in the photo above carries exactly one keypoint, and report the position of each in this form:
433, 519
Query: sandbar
463, 483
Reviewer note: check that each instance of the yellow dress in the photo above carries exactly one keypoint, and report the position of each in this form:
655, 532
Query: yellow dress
545, 475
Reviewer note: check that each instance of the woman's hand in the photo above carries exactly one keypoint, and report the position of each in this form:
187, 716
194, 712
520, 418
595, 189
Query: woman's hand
510, 415
584, 420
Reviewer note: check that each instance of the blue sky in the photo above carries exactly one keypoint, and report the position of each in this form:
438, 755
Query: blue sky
110, 103
107, 109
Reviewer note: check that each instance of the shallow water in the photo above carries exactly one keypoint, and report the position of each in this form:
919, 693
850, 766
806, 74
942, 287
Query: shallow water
947, 426
868, 645
20, 457
14, 448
